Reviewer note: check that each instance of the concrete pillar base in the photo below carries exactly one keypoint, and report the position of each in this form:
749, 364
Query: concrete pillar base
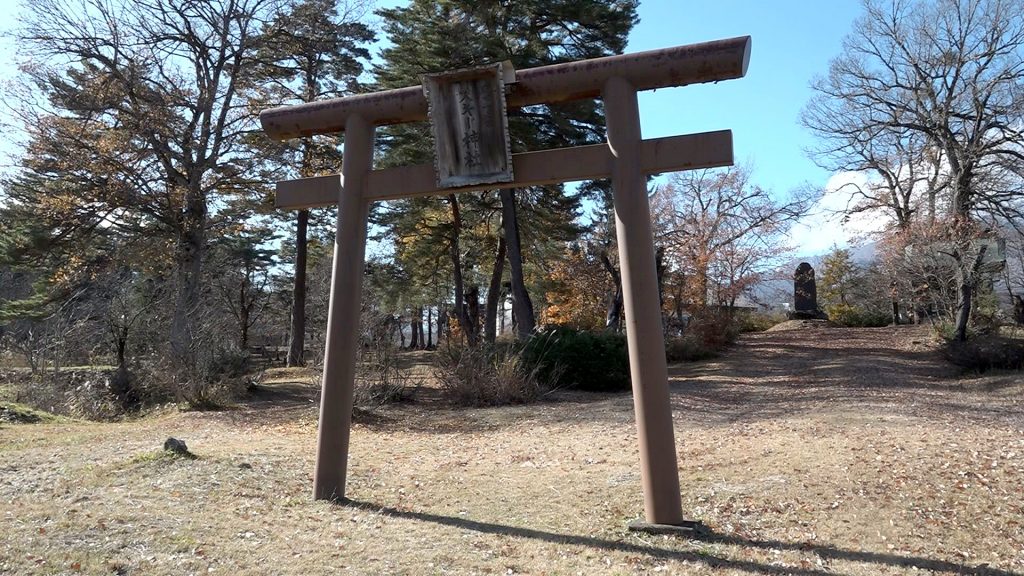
686, 528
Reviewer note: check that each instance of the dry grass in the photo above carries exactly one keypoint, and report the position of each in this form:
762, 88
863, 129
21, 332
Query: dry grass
809, 452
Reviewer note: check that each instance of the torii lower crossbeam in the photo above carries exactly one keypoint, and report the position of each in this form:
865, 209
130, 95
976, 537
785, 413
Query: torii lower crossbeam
672, 154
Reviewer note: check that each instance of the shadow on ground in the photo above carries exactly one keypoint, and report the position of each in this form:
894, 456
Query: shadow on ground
704, 535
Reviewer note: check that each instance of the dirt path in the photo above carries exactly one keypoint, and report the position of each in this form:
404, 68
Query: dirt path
816, 369
815, 452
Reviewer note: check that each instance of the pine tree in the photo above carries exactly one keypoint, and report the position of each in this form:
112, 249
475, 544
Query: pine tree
433, 36
312, 52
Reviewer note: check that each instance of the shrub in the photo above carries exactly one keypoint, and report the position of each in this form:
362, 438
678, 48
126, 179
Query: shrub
380, 379
757, 322
946, 330
857, 317
687, 348
486, 375
79, 393
714, 329
225, 362
218, 377
593, 361
380, 392
983, 353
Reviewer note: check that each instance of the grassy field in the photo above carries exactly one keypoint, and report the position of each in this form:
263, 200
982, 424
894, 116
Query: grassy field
811, 452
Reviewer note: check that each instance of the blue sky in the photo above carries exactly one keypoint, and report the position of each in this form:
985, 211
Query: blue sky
793, 40
7, 70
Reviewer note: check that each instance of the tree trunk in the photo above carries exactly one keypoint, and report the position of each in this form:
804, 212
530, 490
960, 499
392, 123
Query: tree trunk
393, 327
659, 269
701, 277
613, 313
296, 347
473, 308
122, 345
967, 279
188, 268
494, 293
963, 309
895, 299
678, 302
460, 307
659, 266
501, 316
419, 325
522, 307
430, 333
443, 327
243, 318
414, 331
121, 380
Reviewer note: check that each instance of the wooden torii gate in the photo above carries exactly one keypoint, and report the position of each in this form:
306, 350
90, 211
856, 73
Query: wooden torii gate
626, 158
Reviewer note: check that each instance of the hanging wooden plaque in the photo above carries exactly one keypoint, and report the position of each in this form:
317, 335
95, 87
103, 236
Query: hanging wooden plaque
470, 126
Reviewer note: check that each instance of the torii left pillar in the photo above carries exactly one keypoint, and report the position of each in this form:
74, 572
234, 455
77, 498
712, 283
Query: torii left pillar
343, 313
644, 336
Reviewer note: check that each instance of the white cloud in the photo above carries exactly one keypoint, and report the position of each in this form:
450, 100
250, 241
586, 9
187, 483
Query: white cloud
826, 225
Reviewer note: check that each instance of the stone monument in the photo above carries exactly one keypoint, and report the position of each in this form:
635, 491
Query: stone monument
805, 295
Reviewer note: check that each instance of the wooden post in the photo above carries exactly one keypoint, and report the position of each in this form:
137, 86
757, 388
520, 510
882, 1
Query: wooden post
659, 473
343, 328
658, 155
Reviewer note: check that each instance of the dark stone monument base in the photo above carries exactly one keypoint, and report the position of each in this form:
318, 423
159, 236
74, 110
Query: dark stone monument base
687, 528
807, 315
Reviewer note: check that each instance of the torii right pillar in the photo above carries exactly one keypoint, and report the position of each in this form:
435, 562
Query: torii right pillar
659, 470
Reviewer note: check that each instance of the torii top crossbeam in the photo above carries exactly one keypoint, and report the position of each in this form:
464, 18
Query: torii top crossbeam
676, 66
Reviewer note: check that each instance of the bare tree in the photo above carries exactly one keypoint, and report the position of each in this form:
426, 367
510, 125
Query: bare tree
935, 77
242, 278
718, 229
